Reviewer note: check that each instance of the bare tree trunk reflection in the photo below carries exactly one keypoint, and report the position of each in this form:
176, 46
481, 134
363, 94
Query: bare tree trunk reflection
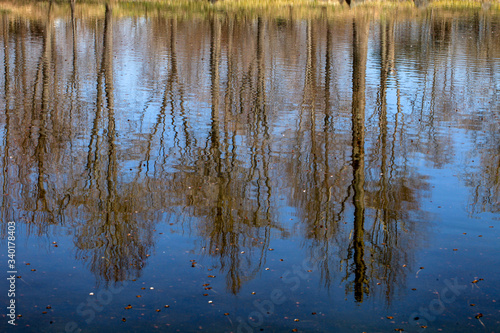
5, 213
361, 28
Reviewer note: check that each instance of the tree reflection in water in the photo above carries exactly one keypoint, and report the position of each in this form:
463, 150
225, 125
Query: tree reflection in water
242, 121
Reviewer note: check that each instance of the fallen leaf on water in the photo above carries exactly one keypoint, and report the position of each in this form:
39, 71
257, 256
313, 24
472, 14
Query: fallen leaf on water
128, 307
390, 317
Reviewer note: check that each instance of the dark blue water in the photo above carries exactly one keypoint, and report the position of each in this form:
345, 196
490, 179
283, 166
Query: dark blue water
229, 174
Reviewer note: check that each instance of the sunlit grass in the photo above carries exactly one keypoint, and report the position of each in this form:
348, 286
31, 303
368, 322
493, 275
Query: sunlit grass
290, 9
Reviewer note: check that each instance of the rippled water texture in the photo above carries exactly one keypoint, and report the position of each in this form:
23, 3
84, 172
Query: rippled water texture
239, 173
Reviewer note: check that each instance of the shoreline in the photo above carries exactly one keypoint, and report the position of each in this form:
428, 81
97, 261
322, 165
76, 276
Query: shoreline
282, 9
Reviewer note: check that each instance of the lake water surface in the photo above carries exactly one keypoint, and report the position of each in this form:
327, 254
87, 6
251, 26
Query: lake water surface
247, 173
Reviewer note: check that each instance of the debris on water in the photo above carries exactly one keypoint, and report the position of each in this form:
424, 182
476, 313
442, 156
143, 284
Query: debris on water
390, 317
123, 319
211, 276
128, 307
